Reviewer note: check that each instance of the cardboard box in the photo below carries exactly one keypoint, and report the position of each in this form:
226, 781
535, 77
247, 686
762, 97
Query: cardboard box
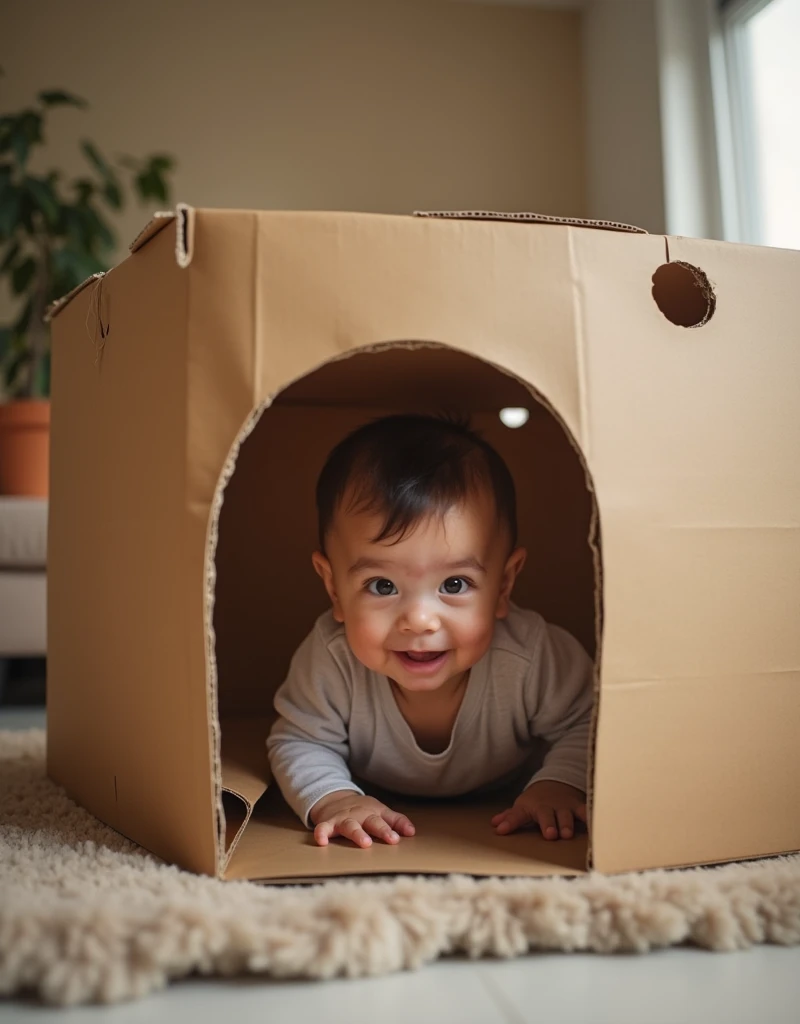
198, 387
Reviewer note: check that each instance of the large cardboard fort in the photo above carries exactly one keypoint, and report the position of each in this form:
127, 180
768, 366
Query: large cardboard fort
199, 385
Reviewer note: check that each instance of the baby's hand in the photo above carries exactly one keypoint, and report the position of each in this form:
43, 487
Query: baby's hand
553, 806
347, 813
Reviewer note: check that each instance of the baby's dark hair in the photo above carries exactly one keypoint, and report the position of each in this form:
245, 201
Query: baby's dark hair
409, 467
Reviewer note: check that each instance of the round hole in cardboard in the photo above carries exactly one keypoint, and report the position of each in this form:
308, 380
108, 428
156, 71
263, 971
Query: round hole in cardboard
684, 294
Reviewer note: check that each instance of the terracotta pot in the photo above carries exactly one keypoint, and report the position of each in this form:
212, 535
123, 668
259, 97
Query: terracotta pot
25, 448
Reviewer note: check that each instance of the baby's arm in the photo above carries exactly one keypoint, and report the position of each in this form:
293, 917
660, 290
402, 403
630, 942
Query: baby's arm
308, 745
562, 716
560, 691
308, 751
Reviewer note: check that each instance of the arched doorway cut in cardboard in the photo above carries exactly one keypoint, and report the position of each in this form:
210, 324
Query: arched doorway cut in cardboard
267, 594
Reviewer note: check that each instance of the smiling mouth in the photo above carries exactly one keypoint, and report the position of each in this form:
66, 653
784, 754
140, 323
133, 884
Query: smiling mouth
421, 661
423, 655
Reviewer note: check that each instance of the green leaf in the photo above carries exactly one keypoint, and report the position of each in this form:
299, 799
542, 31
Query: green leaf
6, 337
75, 228
40, 385
113, 194
10, 208
23, 275
59, 98
66, 271
44, 198
11, 254
69, 267
97, 160
26, 131
161, 163
85, 189
150, 185
7, 123
21, 147
98, 230
30, 122
23, 321
16, 381
27, 210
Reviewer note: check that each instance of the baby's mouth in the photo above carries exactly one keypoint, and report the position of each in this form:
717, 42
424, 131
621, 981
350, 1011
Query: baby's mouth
423, 655
422, 663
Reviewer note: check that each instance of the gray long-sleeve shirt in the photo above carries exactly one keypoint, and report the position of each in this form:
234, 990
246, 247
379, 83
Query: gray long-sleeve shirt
338, 719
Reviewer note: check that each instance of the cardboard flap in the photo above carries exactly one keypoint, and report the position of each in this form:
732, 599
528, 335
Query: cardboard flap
56, 307
532, 218
157, 223
183, 216
245, 768
245, 773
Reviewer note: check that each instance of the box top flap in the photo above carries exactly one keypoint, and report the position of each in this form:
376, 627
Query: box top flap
55, 307
159, 220
182, 216
532, 218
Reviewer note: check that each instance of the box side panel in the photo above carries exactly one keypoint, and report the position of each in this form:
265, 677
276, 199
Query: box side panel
127, 729
694, 440
329, 284
721, 787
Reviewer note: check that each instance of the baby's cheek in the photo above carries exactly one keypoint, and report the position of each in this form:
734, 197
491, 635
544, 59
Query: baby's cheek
365, 633
476, 632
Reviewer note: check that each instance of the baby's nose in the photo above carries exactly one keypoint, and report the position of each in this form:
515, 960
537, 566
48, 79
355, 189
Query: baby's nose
421, 618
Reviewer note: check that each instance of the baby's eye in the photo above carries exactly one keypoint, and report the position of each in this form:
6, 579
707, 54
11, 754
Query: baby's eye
455, 585
381, 588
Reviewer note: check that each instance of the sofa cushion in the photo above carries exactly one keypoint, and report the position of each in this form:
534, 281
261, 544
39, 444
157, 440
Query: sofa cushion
23, 533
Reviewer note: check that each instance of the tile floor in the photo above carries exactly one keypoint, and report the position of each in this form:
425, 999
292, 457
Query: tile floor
677, 986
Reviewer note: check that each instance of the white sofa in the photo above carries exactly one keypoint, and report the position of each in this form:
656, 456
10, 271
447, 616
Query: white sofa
23, 580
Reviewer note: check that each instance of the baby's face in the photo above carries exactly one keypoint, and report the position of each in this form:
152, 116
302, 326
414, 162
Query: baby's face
420, 610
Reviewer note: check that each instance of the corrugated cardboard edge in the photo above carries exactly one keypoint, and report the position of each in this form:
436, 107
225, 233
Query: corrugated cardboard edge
212, 540
159, 220
212, 675
531, 218
55, 307
182, 216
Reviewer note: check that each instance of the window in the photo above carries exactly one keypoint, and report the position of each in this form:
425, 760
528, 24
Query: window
762, 58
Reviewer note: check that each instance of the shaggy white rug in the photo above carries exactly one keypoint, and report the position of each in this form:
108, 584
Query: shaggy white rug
86, 916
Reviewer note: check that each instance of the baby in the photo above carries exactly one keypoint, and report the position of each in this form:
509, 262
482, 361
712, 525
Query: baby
424, 678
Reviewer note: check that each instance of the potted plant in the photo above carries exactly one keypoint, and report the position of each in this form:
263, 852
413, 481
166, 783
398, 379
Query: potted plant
54, 233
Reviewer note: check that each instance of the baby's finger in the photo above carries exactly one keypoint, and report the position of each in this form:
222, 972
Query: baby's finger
498, 817
581, 813
376, 826
350, 829
512, 819
399, 822
323, 833
566, 823
547, 822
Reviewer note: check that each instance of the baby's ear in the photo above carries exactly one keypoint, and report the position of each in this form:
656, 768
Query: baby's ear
512, 569
322, 567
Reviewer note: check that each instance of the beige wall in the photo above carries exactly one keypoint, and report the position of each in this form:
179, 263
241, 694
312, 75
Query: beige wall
377, 105
624, 166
